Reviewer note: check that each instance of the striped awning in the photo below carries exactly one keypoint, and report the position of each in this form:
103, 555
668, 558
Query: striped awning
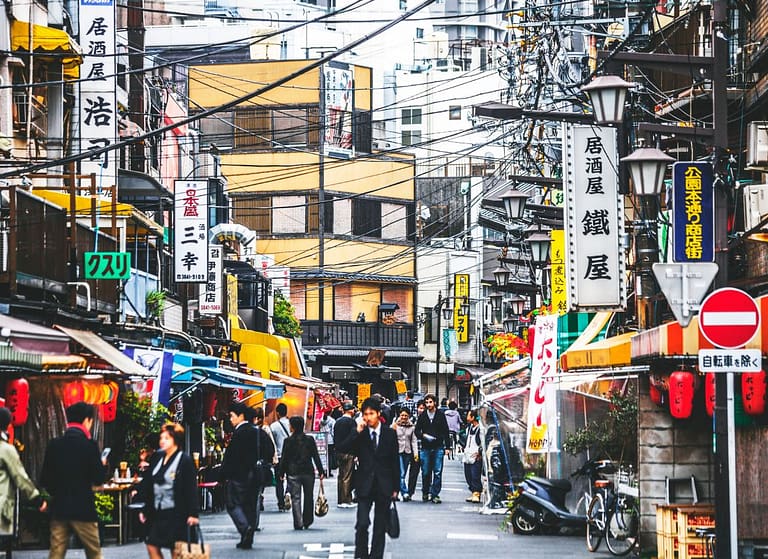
673, 340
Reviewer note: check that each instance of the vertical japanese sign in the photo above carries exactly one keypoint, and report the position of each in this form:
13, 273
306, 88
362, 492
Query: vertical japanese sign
460, 304
693, 212
338, 108
98, 100
542, 405
211, 299
557, 270
190, 242
594, 220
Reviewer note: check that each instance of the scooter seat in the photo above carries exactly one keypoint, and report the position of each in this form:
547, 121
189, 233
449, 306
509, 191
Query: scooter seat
562, 484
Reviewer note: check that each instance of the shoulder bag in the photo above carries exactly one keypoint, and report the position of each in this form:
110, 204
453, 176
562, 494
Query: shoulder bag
189, 550
261, 474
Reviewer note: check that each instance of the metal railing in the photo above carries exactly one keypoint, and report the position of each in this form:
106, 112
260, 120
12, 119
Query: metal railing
363, 335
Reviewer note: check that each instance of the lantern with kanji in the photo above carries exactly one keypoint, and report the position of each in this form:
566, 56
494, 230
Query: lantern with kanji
753, 392
17, 400
682, 385
709, 393
73, 392
210, 402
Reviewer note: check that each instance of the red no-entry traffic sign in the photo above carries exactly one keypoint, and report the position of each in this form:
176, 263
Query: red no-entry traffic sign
729, 318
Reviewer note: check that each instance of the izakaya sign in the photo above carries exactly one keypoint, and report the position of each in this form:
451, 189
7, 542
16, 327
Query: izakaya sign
693, 212
594, 220
542, 404
190, 242
98, 100
338, 107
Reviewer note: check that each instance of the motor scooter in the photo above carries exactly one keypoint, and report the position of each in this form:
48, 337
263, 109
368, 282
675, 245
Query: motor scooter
539, 503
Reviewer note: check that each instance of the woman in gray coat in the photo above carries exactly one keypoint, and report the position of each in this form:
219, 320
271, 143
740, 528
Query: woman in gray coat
13, 477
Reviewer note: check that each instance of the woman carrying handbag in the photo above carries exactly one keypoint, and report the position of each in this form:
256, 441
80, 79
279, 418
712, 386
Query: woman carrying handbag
169, 491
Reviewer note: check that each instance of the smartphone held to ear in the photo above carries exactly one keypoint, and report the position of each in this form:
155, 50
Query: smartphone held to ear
105, 453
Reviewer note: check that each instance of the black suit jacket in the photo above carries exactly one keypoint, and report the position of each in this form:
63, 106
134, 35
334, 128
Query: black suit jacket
71, 467
378, 470
247, 446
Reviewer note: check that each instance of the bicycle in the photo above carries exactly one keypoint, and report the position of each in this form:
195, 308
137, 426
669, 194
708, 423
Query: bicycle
623, 517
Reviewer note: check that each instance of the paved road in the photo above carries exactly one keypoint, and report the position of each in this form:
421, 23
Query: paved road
453, 529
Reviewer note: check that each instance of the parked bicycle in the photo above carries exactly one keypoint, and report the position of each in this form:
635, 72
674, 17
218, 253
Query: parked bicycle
614, 514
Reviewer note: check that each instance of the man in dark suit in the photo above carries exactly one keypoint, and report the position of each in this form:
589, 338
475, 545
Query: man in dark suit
247, 446
71, 467
377, 478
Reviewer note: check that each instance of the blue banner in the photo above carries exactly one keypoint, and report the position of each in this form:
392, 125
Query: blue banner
693, 213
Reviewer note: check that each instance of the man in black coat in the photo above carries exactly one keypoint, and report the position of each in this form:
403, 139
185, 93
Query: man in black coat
432, 432
377, 478
343, 427
248, 445
71, 467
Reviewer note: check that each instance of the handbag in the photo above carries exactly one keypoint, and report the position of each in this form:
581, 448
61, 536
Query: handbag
393, 522
262, 472
321, 503
189, 550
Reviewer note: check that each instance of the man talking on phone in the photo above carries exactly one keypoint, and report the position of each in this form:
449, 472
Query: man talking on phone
377, 479
71, 467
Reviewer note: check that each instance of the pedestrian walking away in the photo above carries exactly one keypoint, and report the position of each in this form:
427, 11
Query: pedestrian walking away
281, 429
407, 447
432, 431
326, 426
473, 458
376, 480
453, 417
169, 493
299, 452
13, 476
341, 430
72, 466
258, 422
247, 446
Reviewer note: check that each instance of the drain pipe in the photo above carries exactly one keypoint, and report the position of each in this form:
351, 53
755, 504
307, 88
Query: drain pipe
87, 292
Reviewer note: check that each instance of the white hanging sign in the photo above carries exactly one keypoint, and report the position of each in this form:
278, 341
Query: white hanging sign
542, 403
190, 242
594, 220
212, 297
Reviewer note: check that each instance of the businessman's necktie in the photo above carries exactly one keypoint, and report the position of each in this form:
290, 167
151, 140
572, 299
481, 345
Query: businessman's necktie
373, 439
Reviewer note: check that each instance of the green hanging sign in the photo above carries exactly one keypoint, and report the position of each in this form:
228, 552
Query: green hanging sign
108, 265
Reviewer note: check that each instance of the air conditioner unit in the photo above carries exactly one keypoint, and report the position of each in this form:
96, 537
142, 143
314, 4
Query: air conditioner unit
757, 144
755, 205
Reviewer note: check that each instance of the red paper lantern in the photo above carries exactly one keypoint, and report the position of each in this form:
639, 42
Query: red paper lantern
753, 392
17, 400
681, 390
73, 392
655, 395
210, 402
108, 410
709, 393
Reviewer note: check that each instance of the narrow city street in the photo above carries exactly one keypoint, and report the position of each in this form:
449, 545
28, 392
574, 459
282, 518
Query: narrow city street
453, 529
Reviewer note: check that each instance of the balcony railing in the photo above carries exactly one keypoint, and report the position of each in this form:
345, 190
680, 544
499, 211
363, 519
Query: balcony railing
363, 335
38, 115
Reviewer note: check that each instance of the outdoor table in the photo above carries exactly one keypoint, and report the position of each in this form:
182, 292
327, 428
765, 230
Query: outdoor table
121, 490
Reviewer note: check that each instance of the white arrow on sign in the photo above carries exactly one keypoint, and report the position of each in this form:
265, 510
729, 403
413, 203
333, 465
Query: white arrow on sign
685, 284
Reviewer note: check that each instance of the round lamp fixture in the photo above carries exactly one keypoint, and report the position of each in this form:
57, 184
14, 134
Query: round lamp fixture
607, 95
647, 167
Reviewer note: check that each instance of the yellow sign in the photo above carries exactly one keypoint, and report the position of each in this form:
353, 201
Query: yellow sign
363, 392
232, 301
557, 272
461, 297
400, 387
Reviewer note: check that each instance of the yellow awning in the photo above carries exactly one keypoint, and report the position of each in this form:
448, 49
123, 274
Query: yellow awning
611, 352
103, 207
47, 40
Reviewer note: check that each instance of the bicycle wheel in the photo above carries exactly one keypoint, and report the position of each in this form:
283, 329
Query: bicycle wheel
595, 522
621, 527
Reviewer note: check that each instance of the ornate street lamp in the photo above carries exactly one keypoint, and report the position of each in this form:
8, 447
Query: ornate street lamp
516, 304
540, 242
447, 311
514, 203
510, 324
496, 299
501, 275
607, 95
647, 167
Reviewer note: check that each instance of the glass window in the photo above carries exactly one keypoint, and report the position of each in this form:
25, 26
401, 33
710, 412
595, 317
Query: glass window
289, 214
454, 112
290, 126
410, 137
366, 218
411, 116
419, 33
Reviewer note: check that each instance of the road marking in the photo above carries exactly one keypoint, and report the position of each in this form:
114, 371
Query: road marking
729, 318
480, 537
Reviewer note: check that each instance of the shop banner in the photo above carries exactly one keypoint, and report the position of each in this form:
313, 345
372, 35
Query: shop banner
460, 302
594, 219
212, 298
557, 271
160, 364
337, 83
542, 405
693, 212
98, 100
190, 246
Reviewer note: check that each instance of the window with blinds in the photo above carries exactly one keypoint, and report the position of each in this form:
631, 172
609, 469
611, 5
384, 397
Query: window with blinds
254, 213
252, 128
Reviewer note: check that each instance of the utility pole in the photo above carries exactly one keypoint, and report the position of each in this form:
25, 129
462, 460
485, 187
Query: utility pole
438, 341
136, 78
321, 211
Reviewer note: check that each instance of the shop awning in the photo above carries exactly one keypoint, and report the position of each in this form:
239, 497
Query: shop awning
113, 357
26, 336
46, 40
671, 339
503, 372
301, 382
11, 358
504, 395
103, 207
227, 378
610, 352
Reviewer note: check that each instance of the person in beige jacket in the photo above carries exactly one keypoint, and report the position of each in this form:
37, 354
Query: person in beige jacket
12, 477
408, 449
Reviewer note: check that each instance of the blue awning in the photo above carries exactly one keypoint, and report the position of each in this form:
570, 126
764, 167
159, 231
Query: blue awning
226, 378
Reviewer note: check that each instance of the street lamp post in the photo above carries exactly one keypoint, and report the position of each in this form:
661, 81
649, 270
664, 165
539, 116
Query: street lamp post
441, 307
